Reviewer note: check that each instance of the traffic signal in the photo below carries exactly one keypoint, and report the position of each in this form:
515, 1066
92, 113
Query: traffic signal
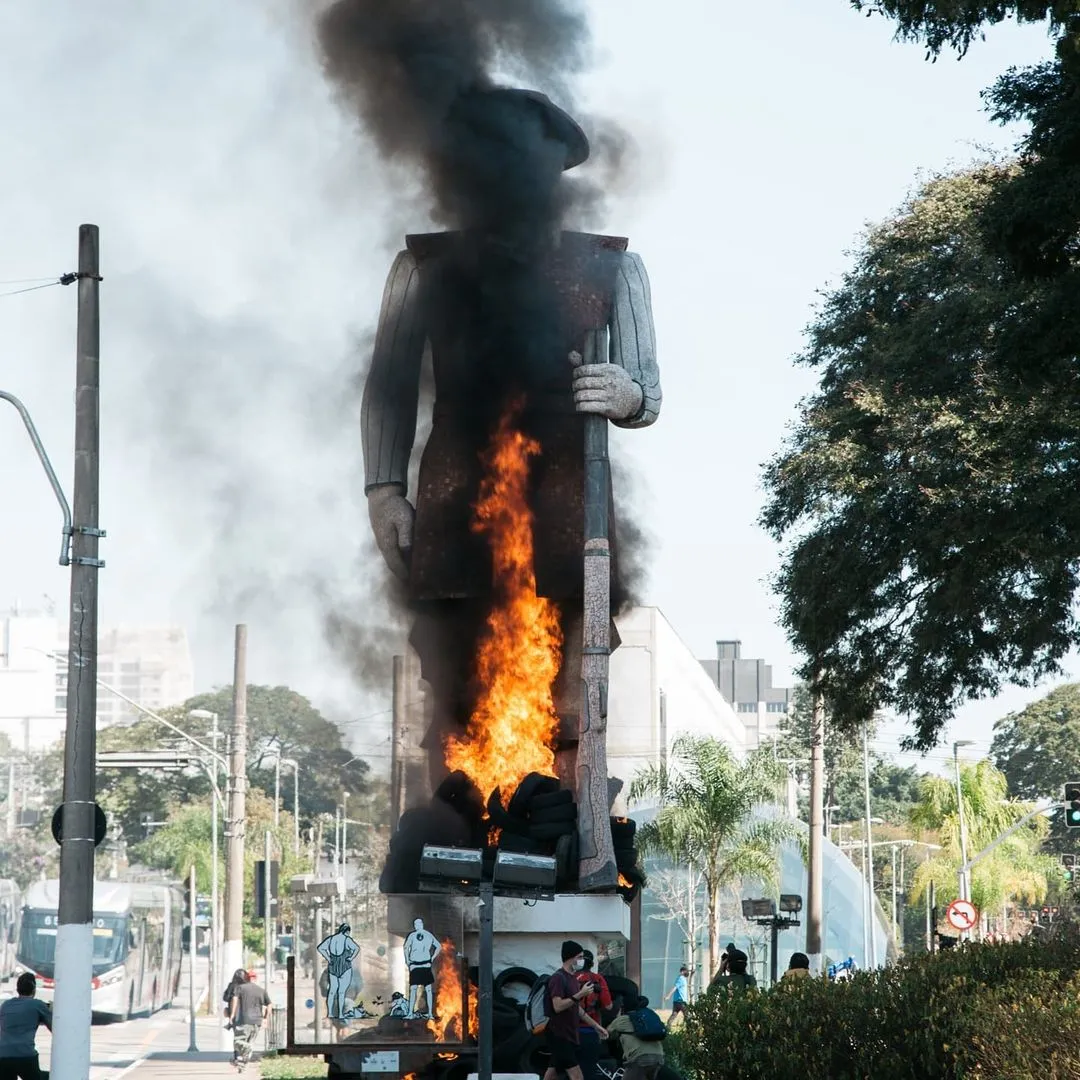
1072, 805
260, 889
1068, 868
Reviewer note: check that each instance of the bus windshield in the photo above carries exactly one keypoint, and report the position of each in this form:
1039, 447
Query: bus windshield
37, 942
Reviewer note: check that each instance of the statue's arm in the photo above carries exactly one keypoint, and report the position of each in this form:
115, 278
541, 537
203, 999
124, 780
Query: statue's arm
388, 417
633, 338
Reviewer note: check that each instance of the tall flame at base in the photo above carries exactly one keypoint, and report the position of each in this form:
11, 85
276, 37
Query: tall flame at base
513, 726
447, 1010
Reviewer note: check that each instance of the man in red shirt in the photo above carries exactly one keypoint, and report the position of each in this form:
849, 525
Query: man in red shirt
600, 998
564, 995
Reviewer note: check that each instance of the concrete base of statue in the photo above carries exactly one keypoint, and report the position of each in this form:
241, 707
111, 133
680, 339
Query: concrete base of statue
530, 934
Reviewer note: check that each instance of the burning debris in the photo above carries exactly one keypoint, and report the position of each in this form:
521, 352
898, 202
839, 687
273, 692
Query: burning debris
538, 818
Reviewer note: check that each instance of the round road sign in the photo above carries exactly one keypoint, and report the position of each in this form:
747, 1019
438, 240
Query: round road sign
100, 824
962, 915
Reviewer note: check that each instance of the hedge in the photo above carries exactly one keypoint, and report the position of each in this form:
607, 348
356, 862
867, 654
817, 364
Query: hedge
991, 1012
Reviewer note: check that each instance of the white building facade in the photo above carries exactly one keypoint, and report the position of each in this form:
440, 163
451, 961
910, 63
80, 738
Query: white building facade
149, 664
659, 691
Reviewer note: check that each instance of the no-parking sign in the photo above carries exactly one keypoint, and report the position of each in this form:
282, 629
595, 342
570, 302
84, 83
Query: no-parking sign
962, 915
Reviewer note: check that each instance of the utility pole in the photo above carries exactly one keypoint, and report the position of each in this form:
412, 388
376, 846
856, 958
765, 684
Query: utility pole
268, 918
74, 936
895, 933
193, 907
869, 852
277, 788
232, 952
815, 875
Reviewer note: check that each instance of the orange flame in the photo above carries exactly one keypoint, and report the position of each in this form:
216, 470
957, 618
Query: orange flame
512, 729
447, 973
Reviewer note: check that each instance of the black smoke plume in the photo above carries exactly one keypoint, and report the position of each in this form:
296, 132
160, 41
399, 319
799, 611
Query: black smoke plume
411, 71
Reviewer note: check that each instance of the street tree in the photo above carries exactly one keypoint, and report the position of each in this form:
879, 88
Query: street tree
1038, 750
925, 493
716, 815
893, 788
1034, 217
1015, 870
278, 719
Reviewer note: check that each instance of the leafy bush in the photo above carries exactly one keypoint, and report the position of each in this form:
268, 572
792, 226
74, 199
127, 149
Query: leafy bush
993, 1012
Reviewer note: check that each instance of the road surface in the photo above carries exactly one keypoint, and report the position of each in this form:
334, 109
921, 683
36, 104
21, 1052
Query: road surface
157, 1047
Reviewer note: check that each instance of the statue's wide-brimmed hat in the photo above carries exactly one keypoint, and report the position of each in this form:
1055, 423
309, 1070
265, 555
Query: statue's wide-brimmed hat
560, 125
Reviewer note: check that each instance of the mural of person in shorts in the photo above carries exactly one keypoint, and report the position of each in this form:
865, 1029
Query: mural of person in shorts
421, 948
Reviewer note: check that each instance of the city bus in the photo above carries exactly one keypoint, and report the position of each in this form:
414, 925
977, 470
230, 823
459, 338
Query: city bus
10, 905
137, 930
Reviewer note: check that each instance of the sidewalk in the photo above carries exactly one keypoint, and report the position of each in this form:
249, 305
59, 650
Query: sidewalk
175, 1065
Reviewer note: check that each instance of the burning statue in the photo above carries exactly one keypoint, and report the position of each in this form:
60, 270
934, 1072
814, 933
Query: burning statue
490, 545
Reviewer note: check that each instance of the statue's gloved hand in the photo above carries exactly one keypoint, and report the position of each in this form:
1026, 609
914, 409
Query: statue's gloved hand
391, 516
607, 390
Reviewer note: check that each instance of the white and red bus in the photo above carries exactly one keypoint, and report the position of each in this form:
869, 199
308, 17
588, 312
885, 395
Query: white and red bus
137, 944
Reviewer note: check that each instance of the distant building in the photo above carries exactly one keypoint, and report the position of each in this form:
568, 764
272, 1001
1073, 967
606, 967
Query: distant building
747, 686
149, 664
659, 692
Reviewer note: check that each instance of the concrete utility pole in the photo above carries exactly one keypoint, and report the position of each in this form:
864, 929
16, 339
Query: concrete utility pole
193, 907
74, 936
232, 952
870, 929
268, 917
815, 876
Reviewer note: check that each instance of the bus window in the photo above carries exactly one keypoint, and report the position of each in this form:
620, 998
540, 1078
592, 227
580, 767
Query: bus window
37, 944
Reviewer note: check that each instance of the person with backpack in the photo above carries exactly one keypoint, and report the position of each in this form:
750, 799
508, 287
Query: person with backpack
563, 995
640, 1034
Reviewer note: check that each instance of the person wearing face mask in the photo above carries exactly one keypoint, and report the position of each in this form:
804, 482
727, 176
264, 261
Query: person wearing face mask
600, 998
564, 995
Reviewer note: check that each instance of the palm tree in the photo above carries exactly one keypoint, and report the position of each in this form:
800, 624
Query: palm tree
1014, 870
708, 818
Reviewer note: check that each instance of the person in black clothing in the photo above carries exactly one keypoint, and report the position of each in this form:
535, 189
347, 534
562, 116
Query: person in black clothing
239, 976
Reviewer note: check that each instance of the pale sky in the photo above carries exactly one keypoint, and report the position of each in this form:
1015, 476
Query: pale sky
246, 229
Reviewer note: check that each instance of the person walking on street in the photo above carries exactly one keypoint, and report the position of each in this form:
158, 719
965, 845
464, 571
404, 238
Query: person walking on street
642, 1058
250, 1007
563, 997
681, 993
589, 1028
239, 976
20, 1017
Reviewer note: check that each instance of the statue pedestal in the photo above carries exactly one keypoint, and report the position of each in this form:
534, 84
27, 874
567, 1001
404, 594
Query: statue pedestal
530, 934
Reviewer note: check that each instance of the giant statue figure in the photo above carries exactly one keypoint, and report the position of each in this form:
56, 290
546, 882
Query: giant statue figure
501, 304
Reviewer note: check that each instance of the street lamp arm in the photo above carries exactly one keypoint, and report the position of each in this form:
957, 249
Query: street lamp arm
1008, 832
46, 464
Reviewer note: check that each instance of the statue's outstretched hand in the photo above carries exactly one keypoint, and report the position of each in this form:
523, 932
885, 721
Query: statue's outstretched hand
605, 389
391, 517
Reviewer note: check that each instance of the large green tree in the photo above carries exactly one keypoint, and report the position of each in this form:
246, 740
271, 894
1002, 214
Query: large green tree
925, 492
710, 818
278, 718
1038, 750
1015, 870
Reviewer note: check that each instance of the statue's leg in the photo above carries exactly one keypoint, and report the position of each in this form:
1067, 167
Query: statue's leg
566, 695
445, 636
